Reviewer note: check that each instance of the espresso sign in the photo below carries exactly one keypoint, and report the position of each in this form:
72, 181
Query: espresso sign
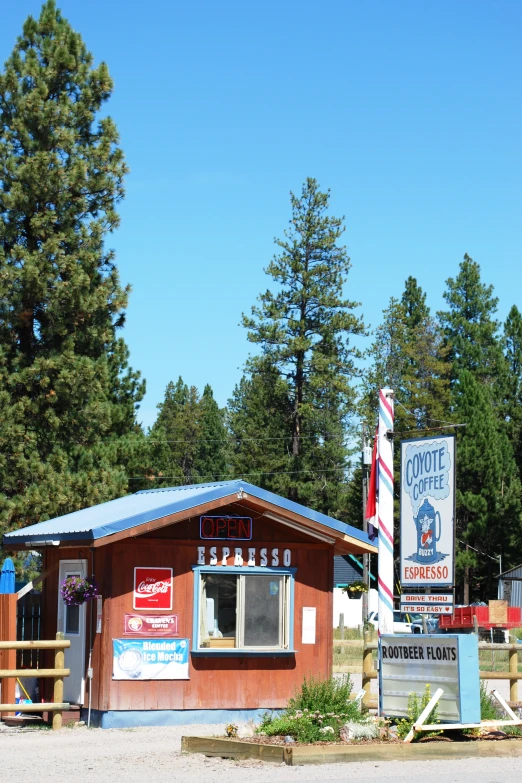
162, 625
152, 588
226, 528
427, 512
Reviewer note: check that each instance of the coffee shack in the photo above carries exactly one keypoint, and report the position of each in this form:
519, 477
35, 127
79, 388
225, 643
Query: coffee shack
212, 602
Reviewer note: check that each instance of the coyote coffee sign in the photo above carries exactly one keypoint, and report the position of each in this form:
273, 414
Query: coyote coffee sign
152, 588
428, 512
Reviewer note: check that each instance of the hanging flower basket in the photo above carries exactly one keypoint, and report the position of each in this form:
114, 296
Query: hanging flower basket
356, 589
76, 590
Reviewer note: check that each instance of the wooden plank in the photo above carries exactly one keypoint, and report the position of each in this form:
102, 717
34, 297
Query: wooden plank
38, 645
331, 754
59, 661
36, 581
484, 724
424, 714
391, 751
34, 672
7, 654
498, 612
230, 748
500, 675
36, 707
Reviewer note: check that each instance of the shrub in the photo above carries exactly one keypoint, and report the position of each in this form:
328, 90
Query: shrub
416, 705
317, 711
488, 707
331, 695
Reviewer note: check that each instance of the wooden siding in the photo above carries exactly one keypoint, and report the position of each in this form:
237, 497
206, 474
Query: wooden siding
241, 682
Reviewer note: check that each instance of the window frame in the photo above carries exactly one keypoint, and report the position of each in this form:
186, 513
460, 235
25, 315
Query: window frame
270, 652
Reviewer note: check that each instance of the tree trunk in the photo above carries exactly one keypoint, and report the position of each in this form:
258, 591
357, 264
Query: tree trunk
465, 599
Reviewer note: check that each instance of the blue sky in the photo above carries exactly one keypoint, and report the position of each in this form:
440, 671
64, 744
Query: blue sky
408, 111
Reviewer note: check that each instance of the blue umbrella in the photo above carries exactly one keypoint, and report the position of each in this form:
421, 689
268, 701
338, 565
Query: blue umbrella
7, 577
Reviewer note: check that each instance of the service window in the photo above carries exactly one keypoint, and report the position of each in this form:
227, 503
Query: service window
243, 611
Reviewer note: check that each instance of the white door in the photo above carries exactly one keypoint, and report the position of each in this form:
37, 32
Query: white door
71, 621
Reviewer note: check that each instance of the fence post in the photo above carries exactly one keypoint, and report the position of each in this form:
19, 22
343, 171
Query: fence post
7, 657
513, 669
341, 625
59, 663
367, 668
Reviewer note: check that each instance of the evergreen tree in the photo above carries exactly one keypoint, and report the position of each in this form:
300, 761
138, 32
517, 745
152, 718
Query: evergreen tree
471, 329
68, 398
488, 490
259, 421
189, 441
174, 437
304, 330
409, 357
212, 459
513, 382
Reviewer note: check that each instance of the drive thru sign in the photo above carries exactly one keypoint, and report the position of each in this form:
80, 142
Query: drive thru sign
414, 603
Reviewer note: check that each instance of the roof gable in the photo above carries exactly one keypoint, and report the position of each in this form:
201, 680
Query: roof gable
101, 523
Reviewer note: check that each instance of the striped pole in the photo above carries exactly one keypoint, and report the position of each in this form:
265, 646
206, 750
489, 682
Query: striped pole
385, 512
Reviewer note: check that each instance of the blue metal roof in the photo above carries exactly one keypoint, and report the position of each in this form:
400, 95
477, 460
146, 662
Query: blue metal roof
148, 505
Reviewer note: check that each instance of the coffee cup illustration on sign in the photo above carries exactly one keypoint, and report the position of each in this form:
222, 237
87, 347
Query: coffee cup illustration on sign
427, 538
130, 661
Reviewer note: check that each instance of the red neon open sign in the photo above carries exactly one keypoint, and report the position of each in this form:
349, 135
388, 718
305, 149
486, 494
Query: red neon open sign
236, 528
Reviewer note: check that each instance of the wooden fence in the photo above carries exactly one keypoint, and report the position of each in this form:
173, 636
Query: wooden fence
513, 675
10, 673
28, 627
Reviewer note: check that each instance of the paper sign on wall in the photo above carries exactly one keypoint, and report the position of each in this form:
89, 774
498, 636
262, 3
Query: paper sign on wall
99, 613
152, 588
309, 618
150, 659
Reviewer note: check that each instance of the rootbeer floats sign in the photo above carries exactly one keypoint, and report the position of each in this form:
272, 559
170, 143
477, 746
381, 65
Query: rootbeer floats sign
150, 659
409, 662
428, 512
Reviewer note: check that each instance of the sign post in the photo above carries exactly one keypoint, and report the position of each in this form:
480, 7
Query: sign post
385, 511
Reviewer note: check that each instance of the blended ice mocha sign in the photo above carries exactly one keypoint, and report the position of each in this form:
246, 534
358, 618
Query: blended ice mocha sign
428, 512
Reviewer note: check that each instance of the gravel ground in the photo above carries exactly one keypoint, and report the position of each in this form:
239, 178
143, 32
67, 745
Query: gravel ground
140, 755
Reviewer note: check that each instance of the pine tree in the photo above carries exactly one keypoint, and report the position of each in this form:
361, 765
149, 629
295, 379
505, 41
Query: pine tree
471, 329
68, 398
189, 440
304, 330
174, 438
488, 490
488, 485
410, 358
259, 421
212, 459
513, 382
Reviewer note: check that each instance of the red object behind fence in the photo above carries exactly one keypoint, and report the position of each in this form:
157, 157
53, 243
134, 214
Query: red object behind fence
462, 617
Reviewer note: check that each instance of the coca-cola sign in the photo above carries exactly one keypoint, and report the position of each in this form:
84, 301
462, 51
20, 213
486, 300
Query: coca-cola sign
152, 588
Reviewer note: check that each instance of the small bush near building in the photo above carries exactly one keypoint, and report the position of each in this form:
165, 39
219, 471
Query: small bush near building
317, 712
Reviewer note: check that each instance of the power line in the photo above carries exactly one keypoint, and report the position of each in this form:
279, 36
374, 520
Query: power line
438, 421
215, 476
